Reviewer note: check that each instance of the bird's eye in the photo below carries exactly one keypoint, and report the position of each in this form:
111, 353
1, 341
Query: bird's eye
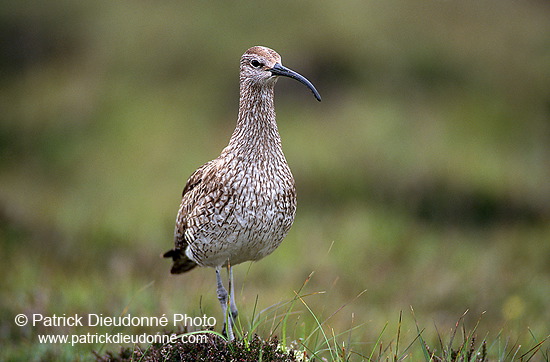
256, 64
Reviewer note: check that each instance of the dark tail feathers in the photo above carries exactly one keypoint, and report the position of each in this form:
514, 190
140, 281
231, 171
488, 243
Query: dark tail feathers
182, 263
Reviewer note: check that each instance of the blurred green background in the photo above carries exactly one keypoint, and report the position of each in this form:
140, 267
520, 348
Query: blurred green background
423, 176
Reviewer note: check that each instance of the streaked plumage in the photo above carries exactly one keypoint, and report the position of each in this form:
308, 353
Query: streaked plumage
239, 206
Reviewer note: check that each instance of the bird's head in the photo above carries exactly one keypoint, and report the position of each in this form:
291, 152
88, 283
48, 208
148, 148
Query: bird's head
262, 65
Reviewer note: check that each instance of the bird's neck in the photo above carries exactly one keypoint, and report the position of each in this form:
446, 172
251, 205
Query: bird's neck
256, 132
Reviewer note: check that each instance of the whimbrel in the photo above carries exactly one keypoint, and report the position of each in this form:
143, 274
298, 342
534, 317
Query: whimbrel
239, 206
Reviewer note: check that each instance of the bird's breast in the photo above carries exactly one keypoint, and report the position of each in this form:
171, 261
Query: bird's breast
250, 215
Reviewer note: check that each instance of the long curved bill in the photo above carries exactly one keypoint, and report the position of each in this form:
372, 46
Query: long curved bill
278, 69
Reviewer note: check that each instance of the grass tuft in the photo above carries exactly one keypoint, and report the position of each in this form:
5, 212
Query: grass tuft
307, 336
212, 348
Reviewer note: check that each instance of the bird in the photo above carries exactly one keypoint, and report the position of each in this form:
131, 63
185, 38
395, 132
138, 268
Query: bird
239, 206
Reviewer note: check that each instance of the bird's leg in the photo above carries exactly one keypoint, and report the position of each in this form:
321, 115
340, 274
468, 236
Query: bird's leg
222, 297
232, 304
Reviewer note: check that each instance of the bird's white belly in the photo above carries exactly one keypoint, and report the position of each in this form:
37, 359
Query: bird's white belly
242, 237
248, 226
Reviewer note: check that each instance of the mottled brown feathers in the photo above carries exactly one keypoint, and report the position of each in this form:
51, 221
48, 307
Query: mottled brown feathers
264, 52
239, 206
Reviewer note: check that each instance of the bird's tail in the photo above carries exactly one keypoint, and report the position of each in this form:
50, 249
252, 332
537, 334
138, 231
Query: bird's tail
182, 263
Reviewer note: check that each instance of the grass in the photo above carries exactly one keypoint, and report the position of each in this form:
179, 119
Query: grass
420, 177
317, 340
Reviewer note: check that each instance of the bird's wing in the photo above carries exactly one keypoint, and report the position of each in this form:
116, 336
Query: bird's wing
194, 192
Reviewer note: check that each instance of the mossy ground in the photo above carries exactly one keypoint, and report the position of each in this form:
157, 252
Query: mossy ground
215, 348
